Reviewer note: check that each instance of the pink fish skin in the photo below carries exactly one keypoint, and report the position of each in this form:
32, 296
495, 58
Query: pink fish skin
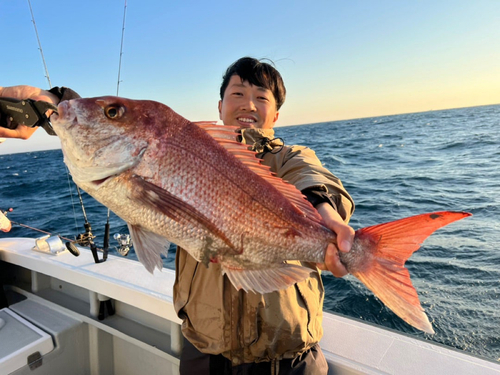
195, 185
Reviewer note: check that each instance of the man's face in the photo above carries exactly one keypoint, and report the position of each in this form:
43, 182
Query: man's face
245, 104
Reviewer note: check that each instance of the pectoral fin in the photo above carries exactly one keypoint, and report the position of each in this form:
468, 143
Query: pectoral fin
176, 209
148, 246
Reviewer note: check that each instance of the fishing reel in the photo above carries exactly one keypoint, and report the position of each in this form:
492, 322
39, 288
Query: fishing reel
124, 242
87, 240
83, 239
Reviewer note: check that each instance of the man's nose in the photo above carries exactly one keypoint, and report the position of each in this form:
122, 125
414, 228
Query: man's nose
249, 105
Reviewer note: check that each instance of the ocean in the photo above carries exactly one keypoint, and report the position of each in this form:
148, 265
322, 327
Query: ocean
394, 167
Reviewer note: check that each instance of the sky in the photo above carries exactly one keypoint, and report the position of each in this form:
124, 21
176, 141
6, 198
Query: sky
339, 59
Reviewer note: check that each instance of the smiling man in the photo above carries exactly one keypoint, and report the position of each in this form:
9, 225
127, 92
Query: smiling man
230, 331
244, 102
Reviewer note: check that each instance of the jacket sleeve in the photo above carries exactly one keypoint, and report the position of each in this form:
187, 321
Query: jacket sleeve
301, 167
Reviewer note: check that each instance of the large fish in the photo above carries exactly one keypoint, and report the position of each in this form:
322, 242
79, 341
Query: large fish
195, 185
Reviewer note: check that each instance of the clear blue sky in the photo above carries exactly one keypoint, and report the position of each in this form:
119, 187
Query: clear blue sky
339, 59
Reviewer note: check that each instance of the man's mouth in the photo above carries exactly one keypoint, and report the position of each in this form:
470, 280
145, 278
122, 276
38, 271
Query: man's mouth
247, 120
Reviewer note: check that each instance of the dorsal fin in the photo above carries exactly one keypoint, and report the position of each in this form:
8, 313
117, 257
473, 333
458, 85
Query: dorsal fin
202, 124
219, 131
227, 137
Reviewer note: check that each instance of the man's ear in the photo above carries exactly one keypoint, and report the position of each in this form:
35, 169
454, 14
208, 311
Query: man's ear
220, 109
276, 117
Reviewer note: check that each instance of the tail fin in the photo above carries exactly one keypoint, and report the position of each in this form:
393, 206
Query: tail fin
391, 244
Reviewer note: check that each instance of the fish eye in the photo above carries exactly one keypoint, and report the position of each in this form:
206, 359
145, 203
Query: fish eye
114, 111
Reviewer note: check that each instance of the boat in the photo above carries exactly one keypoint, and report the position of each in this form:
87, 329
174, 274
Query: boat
61, 314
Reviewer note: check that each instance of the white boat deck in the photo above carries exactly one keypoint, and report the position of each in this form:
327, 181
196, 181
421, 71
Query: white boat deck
144, 334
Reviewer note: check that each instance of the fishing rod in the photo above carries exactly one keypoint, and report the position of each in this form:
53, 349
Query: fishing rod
123, 240
39, 230
81, 239
72, 250
87, 239
39, 45
121, 49
48, 244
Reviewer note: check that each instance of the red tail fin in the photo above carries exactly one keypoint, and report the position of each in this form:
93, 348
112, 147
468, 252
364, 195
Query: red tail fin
390, 245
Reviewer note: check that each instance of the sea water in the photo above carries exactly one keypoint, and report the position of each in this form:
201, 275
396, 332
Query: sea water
394, 167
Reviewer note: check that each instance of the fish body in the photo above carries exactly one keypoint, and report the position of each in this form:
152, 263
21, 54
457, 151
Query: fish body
195, 185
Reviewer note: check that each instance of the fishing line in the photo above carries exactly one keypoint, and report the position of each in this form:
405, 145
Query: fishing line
39, 45
71, 197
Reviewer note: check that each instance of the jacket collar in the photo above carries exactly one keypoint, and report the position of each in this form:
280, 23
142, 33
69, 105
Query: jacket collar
262, 140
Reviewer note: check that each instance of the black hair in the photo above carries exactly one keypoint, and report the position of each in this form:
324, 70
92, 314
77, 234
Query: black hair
257, 73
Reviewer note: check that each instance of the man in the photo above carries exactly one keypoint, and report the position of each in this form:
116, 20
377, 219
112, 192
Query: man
233, 332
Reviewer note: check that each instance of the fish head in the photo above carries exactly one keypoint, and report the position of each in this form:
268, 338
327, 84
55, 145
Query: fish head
105, 136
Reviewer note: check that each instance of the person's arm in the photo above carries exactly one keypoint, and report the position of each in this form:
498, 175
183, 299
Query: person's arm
25, 92
345, 237
326, 193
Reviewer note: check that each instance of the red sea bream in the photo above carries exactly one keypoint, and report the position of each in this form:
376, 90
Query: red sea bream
195, 185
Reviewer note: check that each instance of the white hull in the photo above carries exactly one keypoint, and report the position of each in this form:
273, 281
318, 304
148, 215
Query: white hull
60, 295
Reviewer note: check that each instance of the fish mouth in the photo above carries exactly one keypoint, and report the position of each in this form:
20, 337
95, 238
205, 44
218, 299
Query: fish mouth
98, 183
64, 117
62, 109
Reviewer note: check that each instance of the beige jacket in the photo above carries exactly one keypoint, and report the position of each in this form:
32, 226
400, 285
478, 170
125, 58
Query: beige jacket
249, 327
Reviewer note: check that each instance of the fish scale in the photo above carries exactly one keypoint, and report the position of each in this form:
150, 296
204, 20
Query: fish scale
218, 205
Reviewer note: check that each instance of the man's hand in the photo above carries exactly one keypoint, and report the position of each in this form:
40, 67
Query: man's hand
25, 92
345, 237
